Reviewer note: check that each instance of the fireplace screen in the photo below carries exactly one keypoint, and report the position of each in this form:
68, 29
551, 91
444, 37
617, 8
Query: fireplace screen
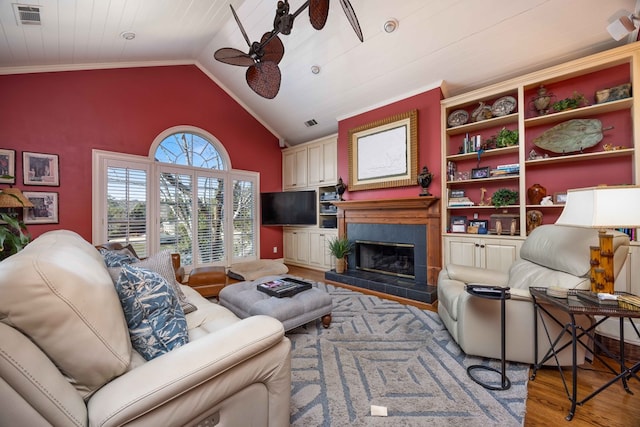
395, 259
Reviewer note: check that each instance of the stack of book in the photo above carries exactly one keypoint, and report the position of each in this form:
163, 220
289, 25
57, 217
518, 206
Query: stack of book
506, 170
460, 201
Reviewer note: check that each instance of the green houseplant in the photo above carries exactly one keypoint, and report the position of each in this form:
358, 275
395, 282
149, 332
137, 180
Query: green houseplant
504, 197
13, 235
506, 138
340, 247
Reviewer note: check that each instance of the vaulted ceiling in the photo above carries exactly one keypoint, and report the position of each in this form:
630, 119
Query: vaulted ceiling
465, 43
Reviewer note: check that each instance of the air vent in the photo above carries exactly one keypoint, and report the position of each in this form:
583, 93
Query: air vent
27, 14
310, 123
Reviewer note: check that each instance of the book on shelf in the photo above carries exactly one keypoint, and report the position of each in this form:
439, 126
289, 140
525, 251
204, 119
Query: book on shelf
509, 166
460, 201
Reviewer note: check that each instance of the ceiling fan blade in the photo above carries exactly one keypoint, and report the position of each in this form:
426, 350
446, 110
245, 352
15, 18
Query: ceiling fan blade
264, 79
273, 50
353, 19
318, 13
232, 56
244, 33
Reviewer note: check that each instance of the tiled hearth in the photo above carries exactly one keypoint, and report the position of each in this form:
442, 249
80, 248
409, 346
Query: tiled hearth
412, 221
377, 282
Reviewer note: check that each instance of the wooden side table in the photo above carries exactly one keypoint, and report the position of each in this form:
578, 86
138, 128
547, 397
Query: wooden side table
502, 294
208, 281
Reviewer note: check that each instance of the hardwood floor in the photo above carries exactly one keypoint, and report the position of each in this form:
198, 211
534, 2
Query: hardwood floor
547, 402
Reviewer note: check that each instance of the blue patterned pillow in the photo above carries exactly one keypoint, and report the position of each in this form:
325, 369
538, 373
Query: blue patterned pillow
154, 316
118, 258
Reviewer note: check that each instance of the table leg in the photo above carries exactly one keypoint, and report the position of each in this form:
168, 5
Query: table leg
574, 369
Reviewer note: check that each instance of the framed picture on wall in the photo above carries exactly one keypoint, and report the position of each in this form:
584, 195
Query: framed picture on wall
7, 166
40, 169
45, 207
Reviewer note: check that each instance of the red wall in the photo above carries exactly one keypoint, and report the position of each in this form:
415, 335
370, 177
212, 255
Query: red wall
429, 152
123, 110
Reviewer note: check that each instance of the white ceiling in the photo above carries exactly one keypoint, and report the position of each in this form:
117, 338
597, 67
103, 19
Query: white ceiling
465, 43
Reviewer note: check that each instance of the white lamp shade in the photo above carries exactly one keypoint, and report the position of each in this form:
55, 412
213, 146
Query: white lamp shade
602, 207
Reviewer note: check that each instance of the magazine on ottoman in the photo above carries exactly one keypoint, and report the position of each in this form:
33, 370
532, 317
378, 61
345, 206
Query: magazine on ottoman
284, 287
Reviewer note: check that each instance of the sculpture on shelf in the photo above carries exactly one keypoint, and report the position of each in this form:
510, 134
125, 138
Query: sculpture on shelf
340, 188
534, 219
424, 179
483, 201
542, 100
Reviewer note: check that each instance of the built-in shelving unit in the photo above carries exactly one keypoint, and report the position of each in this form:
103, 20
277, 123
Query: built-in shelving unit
556, 172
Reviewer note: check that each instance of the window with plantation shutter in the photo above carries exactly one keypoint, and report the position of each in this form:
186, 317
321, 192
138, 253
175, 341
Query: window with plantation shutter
244, 218
183, 197
126, 203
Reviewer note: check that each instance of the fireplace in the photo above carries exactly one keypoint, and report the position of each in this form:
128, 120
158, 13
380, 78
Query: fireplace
397, 247
393, 259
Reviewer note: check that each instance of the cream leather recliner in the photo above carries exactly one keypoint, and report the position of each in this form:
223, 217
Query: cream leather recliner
552, 255
66, 357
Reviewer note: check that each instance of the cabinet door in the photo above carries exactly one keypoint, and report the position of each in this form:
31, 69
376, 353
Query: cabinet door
499, 255
289, 242
294, 165
316, 161
461, 251
302, 246
319, 255
316, 248
323, 163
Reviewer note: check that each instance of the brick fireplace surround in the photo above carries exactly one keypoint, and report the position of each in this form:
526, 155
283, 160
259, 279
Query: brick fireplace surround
421, 211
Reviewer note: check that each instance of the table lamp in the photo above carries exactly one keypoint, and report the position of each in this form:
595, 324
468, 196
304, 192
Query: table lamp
604, 207
13, 198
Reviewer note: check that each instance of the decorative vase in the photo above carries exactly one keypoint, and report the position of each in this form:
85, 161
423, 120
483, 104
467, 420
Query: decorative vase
542, 100
340, 265
536, 193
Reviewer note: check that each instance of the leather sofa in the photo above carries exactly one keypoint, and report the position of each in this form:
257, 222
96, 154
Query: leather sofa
551, 255
66, 358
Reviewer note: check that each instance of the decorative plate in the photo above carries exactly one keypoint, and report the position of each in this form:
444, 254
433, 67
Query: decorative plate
503, 106
458, 118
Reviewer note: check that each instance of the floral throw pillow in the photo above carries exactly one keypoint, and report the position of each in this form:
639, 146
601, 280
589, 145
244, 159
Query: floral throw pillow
118, 258
160, 263
155, 319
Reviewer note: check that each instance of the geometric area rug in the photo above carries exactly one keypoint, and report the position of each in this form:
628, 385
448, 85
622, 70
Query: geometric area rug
380, 352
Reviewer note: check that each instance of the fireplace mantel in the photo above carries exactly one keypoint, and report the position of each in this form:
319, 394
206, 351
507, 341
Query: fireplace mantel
410, 210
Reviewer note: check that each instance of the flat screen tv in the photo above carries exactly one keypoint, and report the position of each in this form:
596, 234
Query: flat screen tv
289, 208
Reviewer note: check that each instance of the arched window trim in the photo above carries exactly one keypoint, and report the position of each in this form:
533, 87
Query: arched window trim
226, 160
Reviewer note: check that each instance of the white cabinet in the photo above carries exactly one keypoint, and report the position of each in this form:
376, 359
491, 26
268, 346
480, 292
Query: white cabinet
296, 246
495, 254
319, 255
310, 165
308, 247
322, 162
294, 168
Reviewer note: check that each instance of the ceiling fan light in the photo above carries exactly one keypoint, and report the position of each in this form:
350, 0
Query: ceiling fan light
390, 25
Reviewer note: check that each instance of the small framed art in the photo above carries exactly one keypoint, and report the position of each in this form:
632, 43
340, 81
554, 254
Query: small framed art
481, 226
458, 224
560, 198
7, 166
479, 173
45, 207
40, 169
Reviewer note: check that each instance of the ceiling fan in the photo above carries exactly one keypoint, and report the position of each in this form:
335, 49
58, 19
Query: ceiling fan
263, 74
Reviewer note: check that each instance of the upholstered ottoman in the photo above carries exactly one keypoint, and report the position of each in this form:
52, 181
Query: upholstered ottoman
244, 300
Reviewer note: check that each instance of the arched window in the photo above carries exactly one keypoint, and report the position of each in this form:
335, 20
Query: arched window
189, 149
189, 201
